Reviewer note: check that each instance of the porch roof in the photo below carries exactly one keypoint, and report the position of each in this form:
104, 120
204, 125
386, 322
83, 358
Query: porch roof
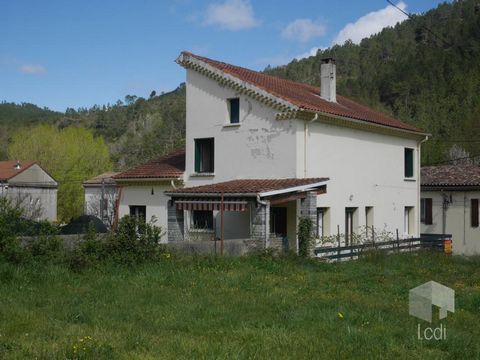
251, 187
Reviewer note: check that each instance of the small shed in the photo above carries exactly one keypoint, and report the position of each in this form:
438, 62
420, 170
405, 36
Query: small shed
30, 187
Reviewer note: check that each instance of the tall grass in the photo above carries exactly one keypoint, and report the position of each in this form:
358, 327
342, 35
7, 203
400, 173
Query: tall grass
236, 308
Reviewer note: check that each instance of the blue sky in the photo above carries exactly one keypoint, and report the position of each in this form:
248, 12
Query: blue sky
63, 54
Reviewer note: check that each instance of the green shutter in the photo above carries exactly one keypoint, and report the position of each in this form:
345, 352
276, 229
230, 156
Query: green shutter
408, 163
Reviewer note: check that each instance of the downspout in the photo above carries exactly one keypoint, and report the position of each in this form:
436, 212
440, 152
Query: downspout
305, 136
419, 172
464, 219
264, 203
117, 207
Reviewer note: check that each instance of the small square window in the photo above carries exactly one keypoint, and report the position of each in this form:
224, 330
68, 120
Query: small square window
202, 219
204, 155
139, 211
234, 109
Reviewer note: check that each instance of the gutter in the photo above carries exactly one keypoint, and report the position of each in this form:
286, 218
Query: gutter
255, 195
305, 138
372, 124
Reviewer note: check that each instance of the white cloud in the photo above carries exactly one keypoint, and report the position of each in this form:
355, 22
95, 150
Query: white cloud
32, 69
304, 30
371, 23
311, 52
231, 15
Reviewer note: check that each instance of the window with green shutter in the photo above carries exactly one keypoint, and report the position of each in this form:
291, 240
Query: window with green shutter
408, 173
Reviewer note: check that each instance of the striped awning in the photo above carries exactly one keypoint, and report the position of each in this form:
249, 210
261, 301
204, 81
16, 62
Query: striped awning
197, 204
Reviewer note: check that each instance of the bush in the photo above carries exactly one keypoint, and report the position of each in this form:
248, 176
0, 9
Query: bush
49, 247
88, 252
135, 241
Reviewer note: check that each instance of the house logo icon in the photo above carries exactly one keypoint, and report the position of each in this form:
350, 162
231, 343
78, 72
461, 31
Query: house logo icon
423, 297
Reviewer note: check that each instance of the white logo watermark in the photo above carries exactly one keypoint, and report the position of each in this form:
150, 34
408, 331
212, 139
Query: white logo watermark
421, 300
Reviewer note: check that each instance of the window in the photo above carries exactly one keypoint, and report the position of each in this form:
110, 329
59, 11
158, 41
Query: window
320, 222
202, 219
409, 163
368, 220
474, 212
234, 109
139, 211
349, 223
426, 211
408, 221
204, 155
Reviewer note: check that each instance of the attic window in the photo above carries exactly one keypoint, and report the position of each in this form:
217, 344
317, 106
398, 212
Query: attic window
234, 110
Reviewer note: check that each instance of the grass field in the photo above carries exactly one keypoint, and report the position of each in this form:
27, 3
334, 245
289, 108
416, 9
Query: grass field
235, 308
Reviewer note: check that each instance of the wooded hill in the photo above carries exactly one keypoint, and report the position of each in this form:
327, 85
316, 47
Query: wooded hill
425, 71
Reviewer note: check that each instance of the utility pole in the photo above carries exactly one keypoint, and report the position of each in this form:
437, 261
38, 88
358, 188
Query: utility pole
102, 202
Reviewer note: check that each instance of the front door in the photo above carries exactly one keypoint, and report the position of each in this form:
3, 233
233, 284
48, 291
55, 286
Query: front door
278, 221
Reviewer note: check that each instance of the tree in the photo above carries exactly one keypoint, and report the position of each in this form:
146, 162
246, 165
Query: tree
71, 155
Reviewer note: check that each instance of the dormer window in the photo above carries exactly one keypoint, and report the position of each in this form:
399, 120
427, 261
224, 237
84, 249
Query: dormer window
234, 110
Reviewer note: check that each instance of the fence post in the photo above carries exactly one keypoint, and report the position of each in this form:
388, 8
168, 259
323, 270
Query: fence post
338, 241
398, 242
373, 237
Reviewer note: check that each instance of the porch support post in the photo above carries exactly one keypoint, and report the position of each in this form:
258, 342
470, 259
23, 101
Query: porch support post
261, 225
175, 224
309, 210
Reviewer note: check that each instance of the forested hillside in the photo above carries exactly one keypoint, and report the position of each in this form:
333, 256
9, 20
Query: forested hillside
425, 71
135, 130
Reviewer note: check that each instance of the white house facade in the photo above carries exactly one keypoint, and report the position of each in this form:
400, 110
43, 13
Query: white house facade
362, 166
141, 190
450, 205
29, 186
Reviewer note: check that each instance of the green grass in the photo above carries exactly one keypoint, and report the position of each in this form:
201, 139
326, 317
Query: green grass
235, 308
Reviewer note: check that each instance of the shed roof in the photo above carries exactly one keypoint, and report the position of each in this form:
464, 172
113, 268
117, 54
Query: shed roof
170, 166
450, 176
8, 169
247, 186
107, 178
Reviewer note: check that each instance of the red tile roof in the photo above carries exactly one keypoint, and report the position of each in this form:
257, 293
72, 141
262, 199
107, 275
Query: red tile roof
450, 175
97, 180
8, 170
247, 186
171, 166
306, 96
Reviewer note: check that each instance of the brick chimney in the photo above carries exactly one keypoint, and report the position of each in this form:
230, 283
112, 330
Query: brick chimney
328, 79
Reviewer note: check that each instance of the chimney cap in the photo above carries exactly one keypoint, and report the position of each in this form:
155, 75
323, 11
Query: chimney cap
328, 60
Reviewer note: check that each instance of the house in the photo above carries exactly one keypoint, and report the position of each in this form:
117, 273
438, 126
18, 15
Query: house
101, 197
29, 186
141, 190
268, 150
450, 197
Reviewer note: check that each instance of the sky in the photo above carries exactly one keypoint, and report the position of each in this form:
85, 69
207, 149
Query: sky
62, 53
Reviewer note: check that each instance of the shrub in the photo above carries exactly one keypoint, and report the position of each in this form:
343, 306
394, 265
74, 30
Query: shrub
88, 252
305, 237
48, 247
135, 241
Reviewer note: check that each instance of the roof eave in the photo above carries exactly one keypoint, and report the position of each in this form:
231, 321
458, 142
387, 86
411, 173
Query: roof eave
367, 124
